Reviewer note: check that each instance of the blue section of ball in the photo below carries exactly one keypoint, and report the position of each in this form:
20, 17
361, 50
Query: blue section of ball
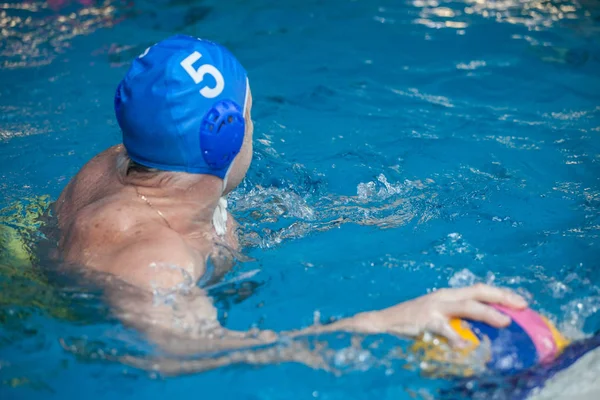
512, 348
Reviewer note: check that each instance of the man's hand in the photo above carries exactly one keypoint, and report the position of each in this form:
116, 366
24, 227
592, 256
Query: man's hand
432, 312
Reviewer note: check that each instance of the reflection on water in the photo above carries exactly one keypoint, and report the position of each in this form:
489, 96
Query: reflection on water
578, 17
33, 33
534, 14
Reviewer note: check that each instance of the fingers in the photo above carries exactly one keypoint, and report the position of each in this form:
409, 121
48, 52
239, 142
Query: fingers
490, 294
477, 311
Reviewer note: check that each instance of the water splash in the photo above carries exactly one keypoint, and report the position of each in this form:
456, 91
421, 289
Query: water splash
271, 215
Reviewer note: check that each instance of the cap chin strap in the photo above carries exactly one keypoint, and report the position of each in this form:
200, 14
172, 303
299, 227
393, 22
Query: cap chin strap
220, 215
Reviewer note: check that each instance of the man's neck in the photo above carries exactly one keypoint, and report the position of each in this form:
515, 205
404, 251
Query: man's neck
186, 201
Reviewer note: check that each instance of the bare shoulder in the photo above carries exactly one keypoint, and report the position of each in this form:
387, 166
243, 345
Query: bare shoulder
91, 180
116, 236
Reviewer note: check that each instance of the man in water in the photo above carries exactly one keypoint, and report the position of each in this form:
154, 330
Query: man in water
151, 212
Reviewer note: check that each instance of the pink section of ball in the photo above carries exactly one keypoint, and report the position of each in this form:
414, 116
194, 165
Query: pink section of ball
536, 328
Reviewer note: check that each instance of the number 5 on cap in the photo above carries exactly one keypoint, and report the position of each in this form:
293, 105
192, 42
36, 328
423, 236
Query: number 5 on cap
198, 75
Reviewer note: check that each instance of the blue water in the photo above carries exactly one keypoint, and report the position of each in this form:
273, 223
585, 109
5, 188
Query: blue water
401, 146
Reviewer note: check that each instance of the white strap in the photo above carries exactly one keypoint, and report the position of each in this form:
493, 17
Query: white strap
220, 217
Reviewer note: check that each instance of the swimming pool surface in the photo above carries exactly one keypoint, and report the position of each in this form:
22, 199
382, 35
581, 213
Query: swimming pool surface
401, 146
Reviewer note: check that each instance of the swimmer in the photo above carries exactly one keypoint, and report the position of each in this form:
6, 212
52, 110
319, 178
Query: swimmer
152, 212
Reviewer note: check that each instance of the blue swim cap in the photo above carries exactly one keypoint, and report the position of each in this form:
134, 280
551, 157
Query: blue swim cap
181, 107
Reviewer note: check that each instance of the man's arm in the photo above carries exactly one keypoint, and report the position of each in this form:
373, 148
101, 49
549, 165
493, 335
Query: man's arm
163, 302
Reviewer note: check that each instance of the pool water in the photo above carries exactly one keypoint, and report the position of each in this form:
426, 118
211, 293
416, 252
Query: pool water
401, 146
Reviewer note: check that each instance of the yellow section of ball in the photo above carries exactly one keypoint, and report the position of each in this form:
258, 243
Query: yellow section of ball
437, 358
463, 330
560, 341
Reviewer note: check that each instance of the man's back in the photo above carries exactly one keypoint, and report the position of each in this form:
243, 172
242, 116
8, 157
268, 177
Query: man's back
102, 220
